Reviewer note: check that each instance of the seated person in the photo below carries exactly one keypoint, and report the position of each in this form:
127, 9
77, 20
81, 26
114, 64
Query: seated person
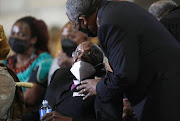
62, 94
31, 62
11, 97
70, 40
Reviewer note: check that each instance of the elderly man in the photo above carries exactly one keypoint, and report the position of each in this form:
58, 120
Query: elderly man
62, 94
143, 55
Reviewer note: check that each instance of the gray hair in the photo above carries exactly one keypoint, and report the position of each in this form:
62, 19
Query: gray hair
76, 8
159, 8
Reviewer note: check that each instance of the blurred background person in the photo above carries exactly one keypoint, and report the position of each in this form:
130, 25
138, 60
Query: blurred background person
31, 62
161, 8
168, 13
70, 39
54, 43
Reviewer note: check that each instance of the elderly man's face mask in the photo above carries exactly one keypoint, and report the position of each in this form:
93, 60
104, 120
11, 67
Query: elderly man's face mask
82, 70
84, 61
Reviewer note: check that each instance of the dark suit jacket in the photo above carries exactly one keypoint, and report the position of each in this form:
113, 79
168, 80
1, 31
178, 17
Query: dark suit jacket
144, 57
59, 96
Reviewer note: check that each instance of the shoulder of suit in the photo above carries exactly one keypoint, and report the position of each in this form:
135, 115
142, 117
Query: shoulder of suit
62, 74
65, 71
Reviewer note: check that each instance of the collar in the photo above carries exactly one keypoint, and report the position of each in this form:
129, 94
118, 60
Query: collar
102, 5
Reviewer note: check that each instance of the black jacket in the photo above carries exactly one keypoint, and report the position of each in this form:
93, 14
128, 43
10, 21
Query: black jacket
60, 97
144, 57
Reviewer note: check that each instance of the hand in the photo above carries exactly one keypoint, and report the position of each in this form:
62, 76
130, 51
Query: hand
14, 120
55, 116
64, 60
88, 86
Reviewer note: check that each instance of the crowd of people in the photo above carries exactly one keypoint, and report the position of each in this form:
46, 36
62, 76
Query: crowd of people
131, 74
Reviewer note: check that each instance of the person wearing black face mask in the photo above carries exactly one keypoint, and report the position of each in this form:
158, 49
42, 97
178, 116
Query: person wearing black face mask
68, 46
19, 46
86, 30
69, 42
31, 62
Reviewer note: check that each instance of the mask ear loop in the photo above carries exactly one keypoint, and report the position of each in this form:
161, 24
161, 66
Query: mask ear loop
102, 68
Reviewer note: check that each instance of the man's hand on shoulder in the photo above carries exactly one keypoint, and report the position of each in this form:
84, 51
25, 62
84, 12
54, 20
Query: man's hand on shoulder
88, 86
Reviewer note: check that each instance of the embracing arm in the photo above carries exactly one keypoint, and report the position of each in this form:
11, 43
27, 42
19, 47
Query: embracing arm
121, 49
32, 95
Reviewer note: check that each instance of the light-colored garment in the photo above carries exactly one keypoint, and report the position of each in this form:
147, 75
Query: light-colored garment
40, 63
53, 68
7, 92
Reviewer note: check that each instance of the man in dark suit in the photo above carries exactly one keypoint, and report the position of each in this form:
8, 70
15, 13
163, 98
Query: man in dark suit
143, 55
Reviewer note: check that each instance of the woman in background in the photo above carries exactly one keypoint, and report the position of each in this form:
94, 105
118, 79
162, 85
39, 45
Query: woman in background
70, 39
31, 62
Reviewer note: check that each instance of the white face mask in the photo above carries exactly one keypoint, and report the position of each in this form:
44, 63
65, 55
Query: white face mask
82, 70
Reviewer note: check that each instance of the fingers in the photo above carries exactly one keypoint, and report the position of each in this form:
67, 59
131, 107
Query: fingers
81, 87
50, 118
85, 81
46, 116
59, 51
99, 78
61, 54
84, 98
83, 91
9, 120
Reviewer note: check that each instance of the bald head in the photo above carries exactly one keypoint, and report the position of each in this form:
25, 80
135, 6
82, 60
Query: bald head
160, 8
89, 52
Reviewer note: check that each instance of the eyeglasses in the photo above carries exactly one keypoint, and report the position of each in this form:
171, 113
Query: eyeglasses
78, 53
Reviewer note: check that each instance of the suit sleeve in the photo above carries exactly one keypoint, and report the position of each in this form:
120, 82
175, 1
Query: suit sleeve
114, 41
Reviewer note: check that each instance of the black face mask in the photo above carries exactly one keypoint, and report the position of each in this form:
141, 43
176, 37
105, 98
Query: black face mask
18, 45
68, 46
87, 31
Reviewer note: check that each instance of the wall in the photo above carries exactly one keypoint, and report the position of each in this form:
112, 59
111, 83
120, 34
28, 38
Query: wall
51, 11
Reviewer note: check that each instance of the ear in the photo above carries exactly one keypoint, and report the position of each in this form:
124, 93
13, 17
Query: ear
34, 40
84, 22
